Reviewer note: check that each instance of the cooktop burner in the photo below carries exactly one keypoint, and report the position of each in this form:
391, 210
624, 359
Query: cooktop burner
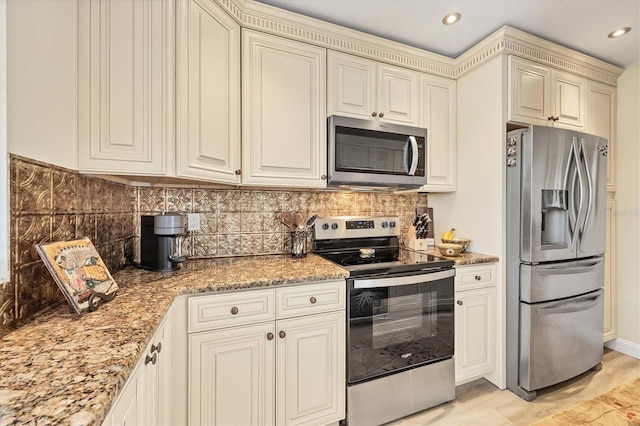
370, 245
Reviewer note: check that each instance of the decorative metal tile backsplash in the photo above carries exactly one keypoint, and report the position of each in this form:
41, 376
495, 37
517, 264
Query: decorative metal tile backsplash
50, 203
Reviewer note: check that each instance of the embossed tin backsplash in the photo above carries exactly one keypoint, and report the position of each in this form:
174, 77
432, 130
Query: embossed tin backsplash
49, 203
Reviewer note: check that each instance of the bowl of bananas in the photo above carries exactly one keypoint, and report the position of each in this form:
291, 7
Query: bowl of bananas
449, 238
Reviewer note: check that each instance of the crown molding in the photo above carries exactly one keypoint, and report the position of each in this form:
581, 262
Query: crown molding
504, 41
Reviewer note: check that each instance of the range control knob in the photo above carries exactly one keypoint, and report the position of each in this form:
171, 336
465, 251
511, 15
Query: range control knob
385, 224
392, 224
325, 226
334, 226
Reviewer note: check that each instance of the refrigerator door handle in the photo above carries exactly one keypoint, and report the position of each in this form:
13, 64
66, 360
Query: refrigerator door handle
593, 300
579, 217
578, 268
570, 179
589, 185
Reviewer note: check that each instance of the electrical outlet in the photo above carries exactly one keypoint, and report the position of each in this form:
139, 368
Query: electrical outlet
193, 221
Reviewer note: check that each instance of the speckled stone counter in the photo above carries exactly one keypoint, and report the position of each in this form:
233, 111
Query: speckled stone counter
67, 369
466, 258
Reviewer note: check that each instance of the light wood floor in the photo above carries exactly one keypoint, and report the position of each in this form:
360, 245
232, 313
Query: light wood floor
481, 403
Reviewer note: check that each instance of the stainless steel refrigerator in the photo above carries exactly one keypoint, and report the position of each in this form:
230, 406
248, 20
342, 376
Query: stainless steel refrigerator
556, 206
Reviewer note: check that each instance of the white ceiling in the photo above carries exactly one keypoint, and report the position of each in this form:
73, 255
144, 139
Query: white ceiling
582, 25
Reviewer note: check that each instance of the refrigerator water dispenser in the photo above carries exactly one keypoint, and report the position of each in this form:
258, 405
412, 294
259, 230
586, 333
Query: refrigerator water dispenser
554, 217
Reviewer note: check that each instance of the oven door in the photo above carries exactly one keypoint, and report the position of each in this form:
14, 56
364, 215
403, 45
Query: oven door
398, 322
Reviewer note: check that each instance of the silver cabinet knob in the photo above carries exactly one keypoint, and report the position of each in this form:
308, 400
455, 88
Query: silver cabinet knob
478, 277
459, 302
323, 177
156, 348
234, 310
381, 115
282, 334
269, 336
151, 359
373, 114
313, 300
238, 172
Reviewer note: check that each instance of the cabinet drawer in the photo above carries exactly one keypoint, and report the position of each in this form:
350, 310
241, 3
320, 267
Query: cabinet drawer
477, 276
310, 299
231, 309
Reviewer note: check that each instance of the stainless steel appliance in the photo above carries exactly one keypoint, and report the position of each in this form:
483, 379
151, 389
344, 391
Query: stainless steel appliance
161, 242
400, 319
375, 154
556, 200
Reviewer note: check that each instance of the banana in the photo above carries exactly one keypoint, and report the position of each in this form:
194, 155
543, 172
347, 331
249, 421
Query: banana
449, 234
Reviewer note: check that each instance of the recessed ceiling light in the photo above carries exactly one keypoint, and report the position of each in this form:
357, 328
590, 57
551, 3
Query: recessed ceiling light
619, 32
451, 19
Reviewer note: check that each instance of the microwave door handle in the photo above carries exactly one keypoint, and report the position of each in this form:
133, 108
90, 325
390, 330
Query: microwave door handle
414, 156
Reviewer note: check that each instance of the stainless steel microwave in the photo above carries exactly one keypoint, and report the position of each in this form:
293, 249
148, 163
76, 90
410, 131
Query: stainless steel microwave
367, 153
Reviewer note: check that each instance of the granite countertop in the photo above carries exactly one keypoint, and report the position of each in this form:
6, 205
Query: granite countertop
466, 258
62, 368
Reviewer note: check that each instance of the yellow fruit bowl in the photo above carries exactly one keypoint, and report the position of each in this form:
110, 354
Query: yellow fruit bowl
449, 249
464, 242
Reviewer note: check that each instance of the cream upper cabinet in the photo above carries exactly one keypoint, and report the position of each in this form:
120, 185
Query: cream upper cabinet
475, 318
366, 89
601, 121
541, 95
438, 116
125, 86
283, 112
207, 93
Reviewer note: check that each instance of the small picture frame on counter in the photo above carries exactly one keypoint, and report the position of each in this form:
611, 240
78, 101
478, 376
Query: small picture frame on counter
79, 271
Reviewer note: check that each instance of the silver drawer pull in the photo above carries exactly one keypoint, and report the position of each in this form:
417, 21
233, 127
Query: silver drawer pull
234, 310
151, 359
478, 277
313, 300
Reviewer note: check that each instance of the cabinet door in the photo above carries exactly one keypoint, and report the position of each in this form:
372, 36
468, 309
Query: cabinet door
475, 333
231, 376
398, 94
610, 293
601, 121
208, 93
310, 369
351, 86
529, 92
130, 408
157, 366
283, 112
438, 115
568, 100
125, 86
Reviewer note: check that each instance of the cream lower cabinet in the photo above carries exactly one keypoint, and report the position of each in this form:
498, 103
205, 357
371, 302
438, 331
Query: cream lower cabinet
543, 96
475, 318
610, 293
263, 357
145, 398
207, 93
366, 89
283, 112
125, 86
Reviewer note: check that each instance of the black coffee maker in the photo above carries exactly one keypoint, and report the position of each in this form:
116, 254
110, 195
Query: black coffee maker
161, 242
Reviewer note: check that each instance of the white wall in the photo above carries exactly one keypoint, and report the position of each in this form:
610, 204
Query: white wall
476, 208
4, 172
41, 80
628, 208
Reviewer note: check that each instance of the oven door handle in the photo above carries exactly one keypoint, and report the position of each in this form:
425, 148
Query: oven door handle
405, 280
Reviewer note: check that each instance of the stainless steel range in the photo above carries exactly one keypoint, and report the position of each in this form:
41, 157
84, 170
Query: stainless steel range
400, 318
